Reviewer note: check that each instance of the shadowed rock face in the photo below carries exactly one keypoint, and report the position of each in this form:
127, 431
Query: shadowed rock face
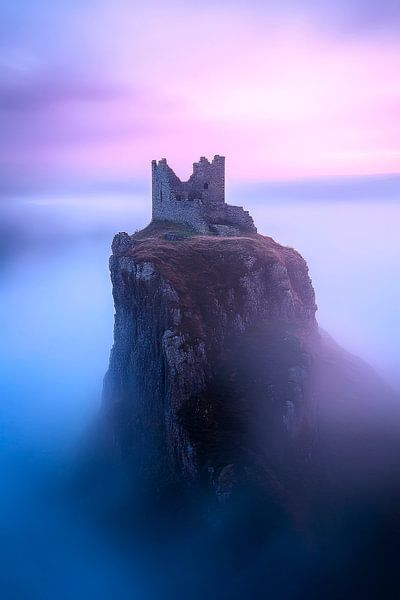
209, 374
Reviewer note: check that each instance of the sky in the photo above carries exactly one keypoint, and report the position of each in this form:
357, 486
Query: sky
288, 90
301, 96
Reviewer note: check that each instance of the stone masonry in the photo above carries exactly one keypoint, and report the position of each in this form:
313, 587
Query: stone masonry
198, 202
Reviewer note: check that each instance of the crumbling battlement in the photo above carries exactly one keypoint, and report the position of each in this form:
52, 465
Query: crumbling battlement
198, 202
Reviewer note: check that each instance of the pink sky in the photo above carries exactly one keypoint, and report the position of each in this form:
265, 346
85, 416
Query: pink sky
281, 95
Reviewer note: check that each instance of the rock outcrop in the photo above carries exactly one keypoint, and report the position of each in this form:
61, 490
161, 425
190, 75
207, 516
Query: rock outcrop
227, 411
209, 377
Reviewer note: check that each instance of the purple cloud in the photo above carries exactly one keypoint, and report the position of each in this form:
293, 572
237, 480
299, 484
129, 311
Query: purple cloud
289, 89
46, 90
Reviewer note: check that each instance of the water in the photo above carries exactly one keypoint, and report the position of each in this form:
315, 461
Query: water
56, 322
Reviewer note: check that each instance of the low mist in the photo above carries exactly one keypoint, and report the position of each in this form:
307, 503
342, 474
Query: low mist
57, 324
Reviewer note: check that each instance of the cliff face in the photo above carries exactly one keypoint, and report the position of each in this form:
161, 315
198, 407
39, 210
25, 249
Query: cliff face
223, 398
209, 377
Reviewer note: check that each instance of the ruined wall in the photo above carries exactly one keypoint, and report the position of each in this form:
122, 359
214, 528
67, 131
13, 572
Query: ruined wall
233, 215
166, 187
198, 202
171, 199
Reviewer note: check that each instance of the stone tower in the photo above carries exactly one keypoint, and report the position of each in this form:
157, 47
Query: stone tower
198, 202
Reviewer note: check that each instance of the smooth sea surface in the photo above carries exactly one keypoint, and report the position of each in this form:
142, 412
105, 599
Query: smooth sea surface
56, 334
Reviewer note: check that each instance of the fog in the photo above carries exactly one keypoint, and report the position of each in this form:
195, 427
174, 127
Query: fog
56, 322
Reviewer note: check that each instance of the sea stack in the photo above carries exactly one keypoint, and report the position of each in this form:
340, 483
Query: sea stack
209, 376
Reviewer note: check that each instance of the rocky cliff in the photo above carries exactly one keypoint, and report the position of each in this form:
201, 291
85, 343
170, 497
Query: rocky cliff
209, 377
226, 404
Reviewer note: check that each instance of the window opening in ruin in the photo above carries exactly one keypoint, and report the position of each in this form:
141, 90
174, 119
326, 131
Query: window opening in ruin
206, 186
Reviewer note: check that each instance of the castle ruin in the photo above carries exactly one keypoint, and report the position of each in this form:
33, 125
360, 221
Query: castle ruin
198, 202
